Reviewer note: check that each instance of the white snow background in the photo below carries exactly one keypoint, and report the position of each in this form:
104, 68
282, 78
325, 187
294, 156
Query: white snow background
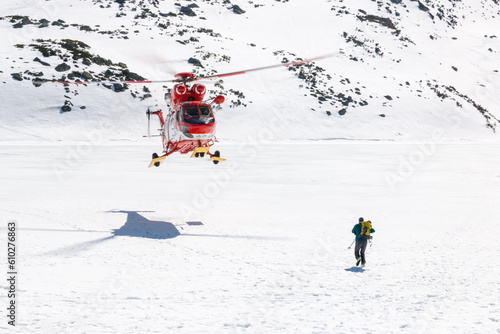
259, 243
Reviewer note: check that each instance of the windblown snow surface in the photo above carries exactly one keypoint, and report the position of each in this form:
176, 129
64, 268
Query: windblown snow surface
401, 127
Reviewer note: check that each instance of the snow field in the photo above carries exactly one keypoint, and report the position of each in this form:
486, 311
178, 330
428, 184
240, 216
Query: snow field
258, 244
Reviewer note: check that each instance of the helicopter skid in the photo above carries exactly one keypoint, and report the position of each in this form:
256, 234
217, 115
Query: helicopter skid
157, 161
214, 159
199, 152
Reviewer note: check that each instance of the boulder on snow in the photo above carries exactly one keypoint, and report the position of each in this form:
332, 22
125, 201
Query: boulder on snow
87, 76
62, 67
67, 106
17, 76
237, 10
187, 11
195, 62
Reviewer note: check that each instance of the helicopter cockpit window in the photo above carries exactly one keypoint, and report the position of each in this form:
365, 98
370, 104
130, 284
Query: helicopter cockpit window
205, 111
198, 114
191, 112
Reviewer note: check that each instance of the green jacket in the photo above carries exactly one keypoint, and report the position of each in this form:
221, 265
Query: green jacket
357, 230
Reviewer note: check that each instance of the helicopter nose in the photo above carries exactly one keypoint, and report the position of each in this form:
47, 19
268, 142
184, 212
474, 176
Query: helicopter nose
200, 128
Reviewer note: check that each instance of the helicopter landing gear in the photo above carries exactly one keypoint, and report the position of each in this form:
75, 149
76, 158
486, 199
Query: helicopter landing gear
199, 152
217, 155
155, 156
216, 158
157, 160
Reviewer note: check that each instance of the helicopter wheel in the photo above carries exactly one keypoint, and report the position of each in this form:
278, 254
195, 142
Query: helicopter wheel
202, 154
217, 155
157, 164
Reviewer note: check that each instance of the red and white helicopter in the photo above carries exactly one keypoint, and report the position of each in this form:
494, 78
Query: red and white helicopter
189, 125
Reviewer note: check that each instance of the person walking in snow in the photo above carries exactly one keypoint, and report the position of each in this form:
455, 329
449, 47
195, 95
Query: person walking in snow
362, 230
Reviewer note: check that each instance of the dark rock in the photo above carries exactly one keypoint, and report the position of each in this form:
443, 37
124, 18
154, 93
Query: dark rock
382, 115
67, 106
41, 62
385, 21
455, 68
131, 76
98, 60
17, 76
118, 88
44, 23
108, 73
423, 7
388, 97
168, 14
37, 82
26, 20
86, 62
87, 76
62, 67
187, 11
342, 112
85, 28
237, 10
195, 62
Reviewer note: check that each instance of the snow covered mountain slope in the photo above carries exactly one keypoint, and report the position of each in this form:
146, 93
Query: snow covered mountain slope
259, 243
408, 67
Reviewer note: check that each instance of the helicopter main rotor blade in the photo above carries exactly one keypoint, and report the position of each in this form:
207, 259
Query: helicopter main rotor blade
190, 79
114, 82
292, 63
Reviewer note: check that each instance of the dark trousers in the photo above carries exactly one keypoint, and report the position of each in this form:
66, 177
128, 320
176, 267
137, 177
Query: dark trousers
360, 248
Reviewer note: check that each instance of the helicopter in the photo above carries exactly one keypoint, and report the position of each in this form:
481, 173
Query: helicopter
189, 125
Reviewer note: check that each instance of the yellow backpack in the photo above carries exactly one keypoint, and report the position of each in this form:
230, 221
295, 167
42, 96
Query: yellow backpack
366, 226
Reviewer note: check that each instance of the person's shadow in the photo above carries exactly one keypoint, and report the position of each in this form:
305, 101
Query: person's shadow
139, 226
355, 269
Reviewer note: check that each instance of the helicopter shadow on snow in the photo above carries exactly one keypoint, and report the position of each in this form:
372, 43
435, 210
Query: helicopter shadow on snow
137, 225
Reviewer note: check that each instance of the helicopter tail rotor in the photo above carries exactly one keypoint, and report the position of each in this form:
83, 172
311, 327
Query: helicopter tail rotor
149, 123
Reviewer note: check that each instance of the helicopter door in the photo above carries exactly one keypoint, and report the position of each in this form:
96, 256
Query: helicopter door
172, 130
